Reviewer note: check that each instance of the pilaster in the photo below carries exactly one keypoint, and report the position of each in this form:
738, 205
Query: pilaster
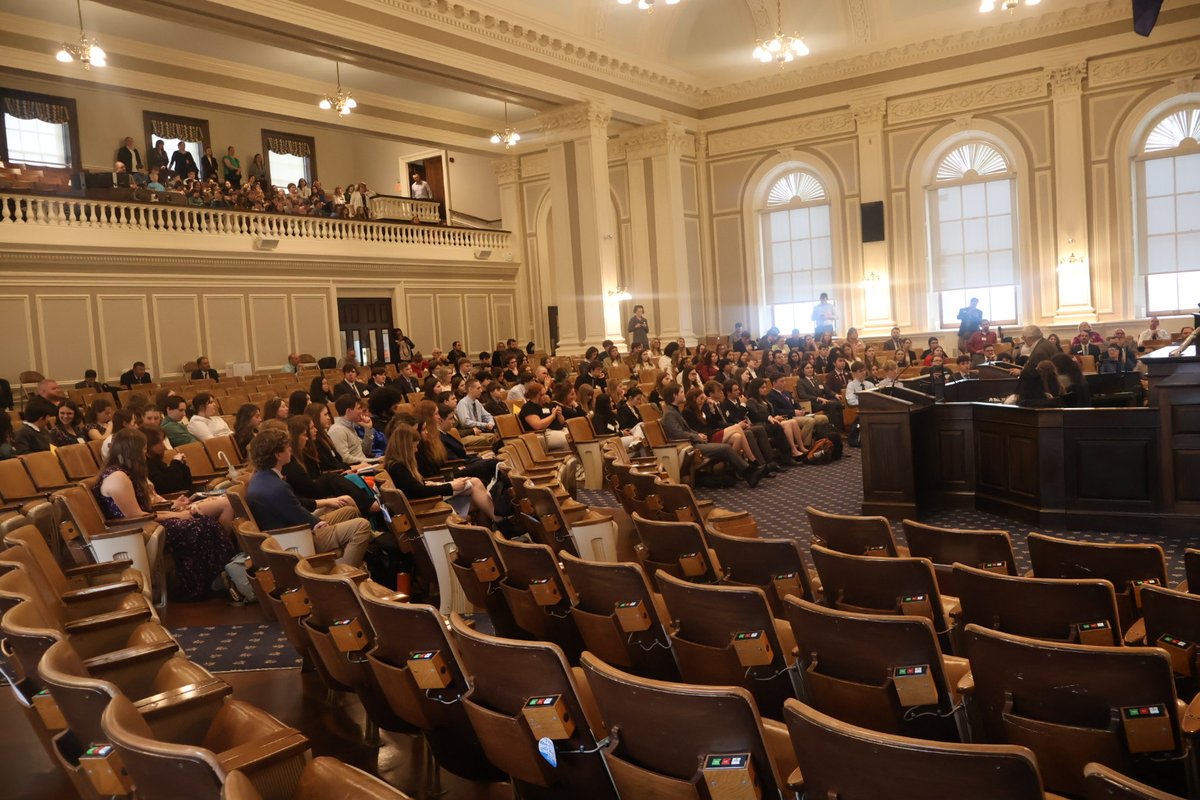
1074, 273
875, 277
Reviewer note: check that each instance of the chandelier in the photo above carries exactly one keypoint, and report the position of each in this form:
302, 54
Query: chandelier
647, 5
342, 101
87, 51
1005, 5
509, 137
779, 48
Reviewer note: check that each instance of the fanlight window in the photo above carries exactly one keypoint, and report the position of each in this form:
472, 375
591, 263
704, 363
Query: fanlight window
797, 249
1168, 209
971, 160
1175, 131
796, 187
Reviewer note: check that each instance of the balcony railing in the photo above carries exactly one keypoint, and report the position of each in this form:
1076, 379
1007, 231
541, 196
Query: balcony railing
388, 206
35, 213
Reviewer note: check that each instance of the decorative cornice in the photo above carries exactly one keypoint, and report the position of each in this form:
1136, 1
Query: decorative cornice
1067, 80
869, 115
665, 138
780, 133
860, 21
575, 122
507, 169
534, 165
967, 98
1159, 61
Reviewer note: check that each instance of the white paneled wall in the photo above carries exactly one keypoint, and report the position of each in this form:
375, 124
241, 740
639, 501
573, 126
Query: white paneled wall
477, 319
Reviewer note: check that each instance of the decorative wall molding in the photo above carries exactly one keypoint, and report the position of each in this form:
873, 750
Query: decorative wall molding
1066, 81
574, 122
776, 134
507, 169
534, 165
968, 98
860, 21
1165, 60
654, 140
869, 115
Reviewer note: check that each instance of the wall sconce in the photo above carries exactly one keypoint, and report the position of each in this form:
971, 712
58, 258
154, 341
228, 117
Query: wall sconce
1072, 262
620, 294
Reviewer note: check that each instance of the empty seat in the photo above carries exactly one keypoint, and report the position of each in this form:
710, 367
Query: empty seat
1170, 620
45, 471
855, 535
726, 636
410, 636
677, 548
539, 596
479, 569
507, 676
678, 502
991, 550
663, 736
223, 453
1126, 566
1059, 609
881, 672
77, 462
591, 535
1073, 704
773, 565
620, 617
839, 760
1103, 783
420, 528
874, 585
588, 447
1191, 566
323, 778
194, 761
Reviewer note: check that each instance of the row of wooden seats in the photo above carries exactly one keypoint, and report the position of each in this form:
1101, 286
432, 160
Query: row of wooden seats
95, 670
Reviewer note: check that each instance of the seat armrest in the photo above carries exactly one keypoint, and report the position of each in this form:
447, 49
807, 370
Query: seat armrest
103, 568
326, 559
288, 529
779, 746
1190, 723
591, 710
130, 656
109, 620
99, 592
956, 668
184, 698
277, 746
127, 521
1136, 635
966, 685
795, 781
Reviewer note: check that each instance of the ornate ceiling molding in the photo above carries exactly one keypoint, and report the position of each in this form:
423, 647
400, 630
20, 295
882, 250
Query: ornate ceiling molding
968, 98
860, 21
575, 122
1158, 61
665, 138
1067, 80
777, 134
507, 169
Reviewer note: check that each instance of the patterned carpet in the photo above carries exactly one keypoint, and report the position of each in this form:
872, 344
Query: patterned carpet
237, 648
778, 506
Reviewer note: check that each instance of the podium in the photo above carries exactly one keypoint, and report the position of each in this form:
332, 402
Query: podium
889, 457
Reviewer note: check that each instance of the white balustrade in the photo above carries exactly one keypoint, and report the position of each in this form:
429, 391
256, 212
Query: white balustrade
386, 206
79, 212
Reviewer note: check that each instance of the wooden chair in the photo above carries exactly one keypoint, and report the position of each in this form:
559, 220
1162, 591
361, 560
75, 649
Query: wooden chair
620, 617
1126, 566
421, 529
97, 448
1071, 705
946, 546
588, 447
508, 426
726, 636
854, 535
1103, 783
773, 565
649, 412
199, 463
847, 665
592, 535
678, 502
839, 760
880, 585
1191, 566
538, 595
662, 735
506, 675
197, 758
1055, 609
341, 633
77, 462
678, 549
17, 490
45, 471
1171, 620
223, 453
425, 702
479, 569
322, 778
671, 455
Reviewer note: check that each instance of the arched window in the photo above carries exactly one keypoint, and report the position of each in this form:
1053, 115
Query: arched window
1168, 213
973, 234
797, 249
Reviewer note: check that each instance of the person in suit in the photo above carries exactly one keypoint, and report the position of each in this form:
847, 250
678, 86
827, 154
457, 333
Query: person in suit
136, 375
676, 428
1040, 348
204, 370
128, 155
34, 434
209, 166
275, 505
182, 162
349, 384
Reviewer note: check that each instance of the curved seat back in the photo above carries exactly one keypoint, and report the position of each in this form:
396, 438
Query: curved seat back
947, 546
849, 534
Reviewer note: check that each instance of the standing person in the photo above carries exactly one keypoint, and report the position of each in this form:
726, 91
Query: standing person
233, 168
158, 158
402, 347
970, 320
258, 169
421, 190
824, 316
182, 162
128, 155
209, 169
639, 327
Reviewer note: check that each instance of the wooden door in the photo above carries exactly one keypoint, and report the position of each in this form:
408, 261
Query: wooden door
366, 324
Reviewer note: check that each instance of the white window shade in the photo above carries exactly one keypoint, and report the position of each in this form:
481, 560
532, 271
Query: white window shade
973, 235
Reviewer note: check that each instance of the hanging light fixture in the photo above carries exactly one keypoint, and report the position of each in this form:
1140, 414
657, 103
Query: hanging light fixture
87, 51
342, 101
780, 49
509, 137
986, 6
647, 5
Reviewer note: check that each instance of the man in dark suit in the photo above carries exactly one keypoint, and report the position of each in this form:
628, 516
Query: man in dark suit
350, 384
1040, 348
33, 436
275, 505
204, 370
128, 155
135, 376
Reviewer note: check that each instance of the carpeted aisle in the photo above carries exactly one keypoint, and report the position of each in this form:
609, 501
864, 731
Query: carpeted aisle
778, 506
237, 648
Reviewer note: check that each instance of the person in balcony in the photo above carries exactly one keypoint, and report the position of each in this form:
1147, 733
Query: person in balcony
257, 171
182, 162
159, 158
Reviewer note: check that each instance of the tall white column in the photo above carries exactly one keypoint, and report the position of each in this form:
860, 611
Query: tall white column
875, 277
527, 300
1070, 195
584, 235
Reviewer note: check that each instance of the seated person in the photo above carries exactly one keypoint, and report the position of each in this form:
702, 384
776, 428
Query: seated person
206, 422
962, 368
89, 382
175, 424
476, 425
204, 370
33, 436
1038, 387
69, 428
275, 505
465, 494
676, 428
539, 416
858, 383
349, 383
166, 477
350, 446
1075, 391
329, 495
1117, 360
136, 376
440, 447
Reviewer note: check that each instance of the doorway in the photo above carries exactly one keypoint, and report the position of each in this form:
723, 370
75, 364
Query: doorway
433, 170
366, 326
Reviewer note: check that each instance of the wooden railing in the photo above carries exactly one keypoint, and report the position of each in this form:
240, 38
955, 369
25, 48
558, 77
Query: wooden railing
73, 212
388, 206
